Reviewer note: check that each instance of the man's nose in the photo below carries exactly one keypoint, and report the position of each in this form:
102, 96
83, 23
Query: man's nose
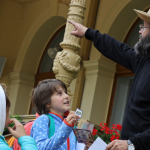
140, 31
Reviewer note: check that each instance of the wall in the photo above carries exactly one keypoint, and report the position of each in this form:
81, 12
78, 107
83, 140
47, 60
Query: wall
26, 28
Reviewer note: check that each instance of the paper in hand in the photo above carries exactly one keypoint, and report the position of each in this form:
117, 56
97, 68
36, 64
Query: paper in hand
80, 146
79, 112
99, 144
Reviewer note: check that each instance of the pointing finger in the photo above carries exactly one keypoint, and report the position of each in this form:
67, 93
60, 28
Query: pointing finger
72, 22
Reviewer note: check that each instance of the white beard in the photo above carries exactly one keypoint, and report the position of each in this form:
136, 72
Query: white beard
142, 47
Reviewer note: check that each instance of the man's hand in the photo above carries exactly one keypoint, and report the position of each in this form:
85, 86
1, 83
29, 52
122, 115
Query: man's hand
117, 145
18, 130
87, 145
79, 30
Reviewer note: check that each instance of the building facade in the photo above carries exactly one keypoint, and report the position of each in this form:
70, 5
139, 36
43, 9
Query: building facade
29, 28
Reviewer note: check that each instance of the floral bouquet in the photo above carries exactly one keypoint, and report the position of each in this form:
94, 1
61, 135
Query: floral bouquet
107, 134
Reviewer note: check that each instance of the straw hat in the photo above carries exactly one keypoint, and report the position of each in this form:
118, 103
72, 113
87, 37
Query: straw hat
143, 15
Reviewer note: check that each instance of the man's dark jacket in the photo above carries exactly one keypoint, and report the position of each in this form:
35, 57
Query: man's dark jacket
136, 123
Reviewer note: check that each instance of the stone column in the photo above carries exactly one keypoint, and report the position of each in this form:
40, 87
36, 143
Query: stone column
97, 90
19, 91
67, 62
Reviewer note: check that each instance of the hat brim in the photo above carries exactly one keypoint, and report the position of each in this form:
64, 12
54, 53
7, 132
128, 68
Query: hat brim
143, 15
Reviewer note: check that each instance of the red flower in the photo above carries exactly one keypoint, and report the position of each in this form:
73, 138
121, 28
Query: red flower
107, 130
112, 138
118, 137
100, 124
111, 131
116, 132
102, 129
94, 132
119, 127
108, 133
114, 127
105, 124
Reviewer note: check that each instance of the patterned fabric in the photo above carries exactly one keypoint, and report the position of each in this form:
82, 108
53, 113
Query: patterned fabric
40, 132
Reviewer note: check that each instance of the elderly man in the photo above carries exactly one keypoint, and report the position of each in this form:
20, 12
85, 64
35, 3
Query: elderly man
136, 124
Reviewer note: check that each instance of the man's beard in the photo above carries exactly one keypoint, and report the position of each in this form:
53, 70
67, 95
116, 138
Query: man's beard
142, 47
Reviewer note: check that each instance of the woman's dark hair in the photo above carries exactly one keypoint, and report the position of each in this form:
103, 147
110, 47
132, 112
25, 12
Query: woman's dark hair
6, 95
41, 95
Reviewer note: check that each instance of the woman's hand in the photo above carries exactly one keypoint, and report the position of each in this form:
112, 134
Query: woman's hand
18, 130
72, 118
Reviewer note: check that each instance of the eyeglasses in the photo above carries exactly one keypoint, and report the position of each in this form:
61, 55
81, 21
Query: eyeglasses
141, 26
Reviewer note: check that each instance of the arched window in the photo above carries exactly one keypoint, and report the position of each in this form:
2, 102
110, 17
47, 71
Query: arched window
46, 63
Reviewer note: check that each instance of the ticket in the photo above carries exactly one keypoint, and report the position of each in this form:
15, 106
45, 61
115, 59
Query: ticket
79, 112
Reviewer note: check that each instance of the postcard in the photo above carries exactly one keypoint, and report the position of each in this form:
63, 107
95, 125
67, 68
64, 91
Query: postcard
83, 135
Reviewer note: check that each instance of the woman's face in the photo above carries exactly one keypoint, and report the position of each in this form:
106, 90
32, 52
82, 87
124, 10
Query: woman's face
7, 117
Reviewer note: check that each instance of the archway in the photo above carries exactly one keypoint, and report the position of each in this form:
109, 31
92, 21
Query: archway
29, 62
46, 63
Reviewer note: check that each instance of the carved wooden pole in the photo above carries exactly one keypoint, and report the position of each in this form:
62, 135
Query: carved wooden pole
67, 62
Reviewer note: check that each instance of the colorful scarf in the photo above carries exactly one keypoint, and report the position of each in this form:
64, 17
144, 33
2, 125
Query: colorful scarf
2, 110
